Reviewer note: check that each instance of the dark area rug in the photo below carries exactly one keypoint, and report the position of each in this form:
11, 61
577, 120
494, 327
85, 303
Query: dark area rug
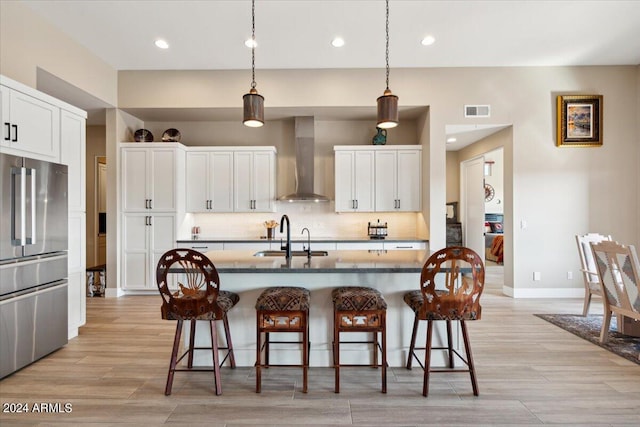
588, 328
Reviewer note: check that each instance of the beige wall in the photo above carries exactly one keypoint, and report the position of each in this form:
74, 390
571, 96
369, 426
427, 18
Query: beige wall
540, 175
28, 42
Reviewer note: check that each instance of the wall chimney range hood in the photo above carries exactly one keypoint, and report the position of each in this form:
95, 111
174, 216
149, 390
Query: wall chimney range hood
304, 145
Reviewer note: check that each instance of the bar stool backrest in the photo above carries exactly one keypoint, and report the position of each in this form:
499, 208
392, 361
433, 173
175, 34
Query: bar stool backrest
459, 299
198, 282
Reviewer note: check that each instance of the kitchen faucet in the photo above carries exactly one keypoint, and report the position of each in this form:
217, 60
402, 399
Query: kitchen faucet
287, 247
308, 250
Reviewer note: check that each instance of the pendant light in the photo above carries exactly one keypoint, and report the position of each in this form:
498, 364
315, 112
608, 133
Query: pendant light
387, 103
253, 101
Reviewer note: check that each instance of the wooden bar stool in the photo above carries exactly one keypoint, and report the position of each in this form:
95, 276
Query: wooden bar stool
199, 298
359, 309
282, 309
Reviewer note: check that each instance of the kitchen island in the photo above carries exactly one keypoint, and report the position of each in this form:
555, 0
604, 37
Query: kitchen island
391, 272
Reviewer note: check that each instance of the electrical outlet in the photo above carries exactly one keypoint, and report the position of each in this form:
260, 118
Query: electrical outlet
569, 275
537, 276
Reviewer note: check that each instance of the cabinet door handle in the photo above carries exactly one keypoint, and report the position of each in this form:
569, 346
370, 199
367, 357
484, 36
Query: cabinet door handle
146, 220
8, 137
150, 203
356, 204
146, 203
150, 220
398, 203
15, 135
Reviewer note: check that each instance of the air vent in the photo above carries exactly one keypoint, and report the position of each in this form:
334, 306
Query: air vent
477, 110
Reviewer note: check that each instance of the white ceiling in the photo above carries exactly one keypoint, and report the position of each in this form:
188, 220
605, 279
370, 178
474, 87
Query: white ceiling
296, 34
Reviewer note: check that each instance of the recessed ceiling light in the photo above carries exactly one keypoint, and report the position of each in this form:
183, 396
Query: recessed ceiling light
450, 140
162, 44
428, 41
250, 43
337, 42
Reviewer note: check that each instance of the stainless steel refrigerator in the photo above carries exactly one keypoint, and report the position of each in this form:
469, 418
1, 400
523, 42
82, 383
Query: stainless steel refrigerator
33, 260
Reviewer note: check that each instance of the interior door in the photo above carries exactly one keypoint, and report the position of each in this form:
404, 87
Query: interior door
472, 201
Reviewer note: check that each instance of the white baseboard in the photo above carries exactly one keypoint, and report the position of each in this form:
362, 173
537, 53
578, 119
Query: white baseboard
114, 293
543, 292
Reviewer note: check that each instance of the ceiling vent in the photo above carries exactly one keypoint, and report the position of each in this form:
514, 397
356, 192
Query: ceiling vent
477, 110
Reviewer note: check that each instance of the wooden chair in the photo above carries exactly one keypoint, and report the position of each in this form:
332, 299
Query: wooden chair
360, 309
588, 267
199, 298
459, 300
619, 272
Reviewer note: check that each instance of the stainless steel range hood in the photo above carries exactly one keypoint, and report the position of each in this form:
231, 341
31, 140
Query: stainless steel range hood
304, 144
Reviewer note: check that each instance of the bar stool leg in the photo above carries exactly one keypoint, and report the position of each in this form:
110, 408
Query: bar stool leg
412, 346
305, 354
384, 354
174, 357
375, 348
427, 359
227, 333
192, 338
258, 356
467, 347
450, 343
216, 356
336, 350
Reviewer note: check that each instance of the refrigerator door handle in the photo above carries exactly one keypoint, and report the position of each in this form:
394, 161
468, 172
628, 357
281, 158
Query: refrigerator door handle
32, 197
18, 201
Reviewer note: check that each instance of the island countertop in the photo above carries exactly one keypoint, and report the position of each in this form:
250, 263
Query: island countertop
355, 261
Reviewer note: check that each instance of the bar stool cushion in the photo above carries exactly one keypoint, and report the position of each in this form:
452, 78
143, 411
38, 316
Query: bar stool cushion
196, 307
284, 298
415, 300
357, 298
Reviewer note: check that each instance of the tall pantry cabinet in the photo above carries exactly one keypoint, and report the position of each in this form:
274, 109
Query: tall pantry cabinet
152, 198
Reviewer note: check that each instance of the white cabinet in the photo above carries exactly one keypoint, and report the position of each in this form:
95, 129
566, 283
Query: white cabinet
398, 180
360, 246
254, 184
405, 246
150, 177
380, 179
30, 126
72, 153
144, 239
354, 180
209, 181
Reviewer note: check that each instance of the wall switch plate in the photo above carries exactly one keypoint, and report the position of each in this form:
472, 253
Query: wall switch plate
537, 276
569, 275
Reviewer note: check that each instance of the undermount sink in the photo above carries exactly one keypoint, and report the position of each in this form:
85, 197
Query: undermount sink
293, 253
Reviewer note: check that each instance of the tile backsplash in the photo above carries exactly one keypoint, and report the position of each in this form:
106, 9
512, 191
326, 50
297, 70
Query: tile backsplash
319, 218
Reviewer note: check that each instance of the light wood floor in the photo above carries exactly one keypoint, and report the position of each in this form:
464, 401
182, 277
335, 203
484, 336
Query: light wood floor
530, 372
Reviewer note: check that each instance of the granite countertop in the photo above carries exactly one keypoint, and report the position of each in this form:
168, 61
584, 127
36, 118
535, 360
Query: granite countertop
336, 262
298, 239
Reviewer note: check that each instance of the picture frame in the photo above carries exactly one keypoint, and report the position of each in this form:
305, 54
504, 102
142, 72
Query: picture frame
579, 121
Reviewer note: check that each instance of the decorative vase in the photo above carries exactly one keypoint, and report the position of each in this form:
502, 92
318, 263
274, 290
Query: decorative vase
380, 138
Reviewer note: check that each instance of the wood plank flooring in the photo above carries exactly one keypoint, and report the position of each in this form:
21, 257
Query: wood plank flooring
529, 372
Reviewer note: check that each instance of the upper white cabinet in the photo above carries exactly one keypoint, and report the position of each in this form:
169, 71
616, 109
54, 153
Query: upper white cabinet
254, 180
151, 177
30, 125
398, 180
209, 186
378, 178
354, 180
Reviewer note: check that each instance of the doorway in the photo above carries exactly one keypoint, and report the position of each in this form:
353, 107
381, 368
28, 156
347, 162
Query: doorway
100, 249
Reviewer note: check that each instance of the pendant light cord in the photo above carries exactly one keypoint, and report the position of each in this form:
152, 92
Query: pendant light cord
387, 50
253, 46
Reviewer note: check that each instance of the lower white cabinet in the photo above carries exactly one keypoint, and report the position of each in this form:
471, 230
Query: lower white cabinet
144, 239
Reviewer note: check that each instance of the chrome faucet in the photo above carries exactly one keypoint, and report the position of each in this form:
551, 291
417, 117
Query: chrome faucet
308, 249
287, 247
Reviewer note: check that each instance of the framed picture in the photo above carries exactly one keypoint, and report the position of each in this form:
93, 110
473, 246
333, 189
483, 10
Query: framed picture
579, 121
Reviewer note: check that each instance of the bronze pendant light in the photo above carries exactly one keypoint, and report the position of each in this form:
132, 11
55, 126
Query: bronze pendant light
388, 102
253, 101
